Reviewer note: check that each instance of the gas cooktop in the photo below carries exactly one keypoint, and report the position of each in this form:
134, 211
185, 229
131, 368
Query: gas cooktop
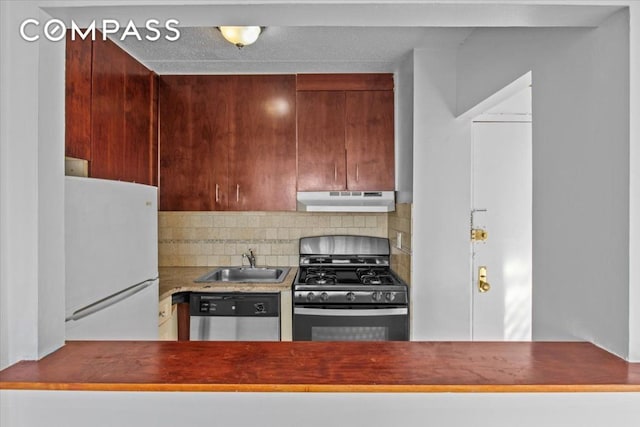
348, 270
320, 276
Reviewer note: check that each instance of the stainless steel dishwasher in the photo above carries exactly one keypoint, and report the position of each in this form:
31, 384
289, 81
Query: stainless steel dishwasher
233, 316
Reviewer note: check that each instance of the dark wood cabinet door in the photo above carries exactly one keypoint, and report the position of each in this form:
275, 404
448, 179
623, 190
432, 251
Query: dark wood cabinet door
78, 98
227, 142
194, 142
321, 140
140, 156
369, 136
123, 117
107, 111
262, 155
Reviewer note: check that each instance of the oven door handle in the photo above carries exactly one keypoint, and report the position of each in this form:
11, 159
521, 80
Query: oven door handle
402, 311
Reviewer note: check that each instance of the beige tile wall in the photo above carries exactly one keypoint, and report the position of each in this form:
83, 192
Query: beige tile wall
220, 238
400, 222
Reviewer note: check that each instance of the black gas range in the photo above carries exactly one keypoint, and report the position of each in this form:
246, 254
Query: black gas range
345, 290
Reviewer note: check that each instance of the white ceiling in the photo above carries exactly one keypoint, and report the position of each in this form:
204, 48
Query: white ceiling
312, 35
291, 49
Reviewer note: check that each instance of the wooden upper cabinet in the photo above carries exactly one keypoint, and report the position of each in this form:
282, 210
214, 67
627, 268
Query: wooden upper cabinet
369, 136
123, 117
321, 140
194, 142
78, 98
107, 111
345, 132
110, 112
140, 148
227, 143
262, 162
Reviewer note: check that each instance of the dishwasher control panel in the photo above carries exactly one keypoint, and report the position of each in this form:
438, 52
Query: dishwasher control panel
234, 304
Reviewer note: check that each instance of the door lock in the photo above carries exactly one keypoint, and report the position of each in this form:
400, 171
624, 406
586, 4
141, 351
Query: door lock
483, 285
479, 235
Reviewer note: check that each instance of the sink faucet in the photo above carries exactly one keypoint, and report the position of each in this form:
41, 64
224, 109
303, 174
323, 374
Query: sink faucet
251, 258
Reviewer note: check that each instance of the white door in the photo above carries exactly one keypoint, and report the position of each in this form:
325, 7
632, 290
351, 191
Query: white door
502, 206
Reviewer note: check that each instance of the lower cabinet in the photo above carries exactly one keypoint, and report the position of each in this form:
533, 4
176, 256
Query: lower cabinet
167, 320
286, 316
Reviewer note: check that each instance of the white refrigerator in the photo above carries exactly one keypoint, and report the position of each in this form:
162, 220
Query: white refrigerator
111, 260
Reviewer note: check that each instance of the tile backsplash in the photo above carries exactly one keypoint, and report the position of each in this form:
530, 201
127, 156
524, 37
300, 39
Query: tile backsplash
220, 238
399, 224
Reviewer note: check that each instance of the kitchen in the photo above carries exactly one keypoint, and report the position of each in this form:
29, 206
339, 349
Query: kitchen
427, 198
226, 147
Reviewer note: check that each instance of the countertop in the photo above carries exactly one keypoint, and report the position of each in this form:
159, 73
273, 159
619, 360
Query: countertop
181, 279
326, 367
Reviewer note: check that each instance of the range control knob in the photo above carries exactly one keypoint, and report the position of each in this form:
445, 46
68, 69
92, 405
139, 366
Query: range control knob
390, 296
324, 296
310, 296
376, 296
351, 296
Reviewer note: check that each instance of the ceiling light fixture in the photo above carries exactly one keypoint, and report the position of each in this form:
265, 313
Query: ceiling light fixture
241, 36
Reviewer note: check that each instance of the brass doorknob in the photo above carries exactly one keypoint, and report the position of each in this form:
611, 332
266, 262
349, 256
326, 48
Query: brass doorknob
483, 285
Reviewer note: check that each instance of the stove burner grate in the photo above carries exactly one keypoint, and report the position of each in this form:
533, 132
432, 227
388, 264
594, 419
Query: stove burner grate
320, 271
321, 280
377, 280
372, 276
321, 276
346, 276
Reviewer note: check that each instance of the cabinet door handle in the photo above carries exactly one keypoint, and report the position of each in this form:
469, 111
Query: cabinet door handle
357, 172
217, 193
335, 171
237, 192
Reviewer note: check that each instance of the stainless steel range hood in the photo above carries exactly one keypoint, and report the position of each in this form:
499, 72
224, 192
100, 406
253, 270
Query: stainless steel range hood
346, 201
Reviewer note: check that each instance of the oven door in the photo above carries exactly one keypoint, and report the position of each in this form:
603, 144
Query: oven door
350, 323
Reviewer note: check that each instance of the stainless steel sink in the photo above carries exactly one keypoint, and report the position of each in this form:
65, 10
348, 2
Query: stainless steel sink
245, 274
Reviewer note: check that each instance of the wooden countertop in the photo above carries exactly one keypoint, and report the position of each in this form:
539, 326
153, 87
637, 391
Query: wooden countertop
326, 367
181, 279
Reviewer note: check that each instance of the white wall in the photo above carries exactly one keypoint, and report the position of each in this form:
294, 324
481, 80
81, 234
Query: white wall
20, 408
31, 189
19, 253
634, 188
441, 202
404, 130
580, 169
581, 177
51, 254
4, 197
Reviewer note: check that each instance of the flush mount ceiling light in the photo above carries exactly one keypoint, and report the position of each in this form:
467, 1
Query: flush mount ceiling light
241, 36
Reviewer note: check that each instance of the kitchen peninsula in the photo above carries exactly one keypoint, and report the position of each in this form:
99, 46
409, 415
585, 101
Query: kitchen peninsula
319, 384
327, 367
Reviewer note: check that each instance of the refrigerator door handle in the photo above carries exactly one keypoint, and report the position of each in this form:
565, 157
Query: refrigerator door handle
109, 301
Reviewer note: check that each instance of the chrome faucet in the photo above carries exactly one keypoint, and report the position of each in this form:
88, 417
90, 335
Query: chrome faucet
251, 258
